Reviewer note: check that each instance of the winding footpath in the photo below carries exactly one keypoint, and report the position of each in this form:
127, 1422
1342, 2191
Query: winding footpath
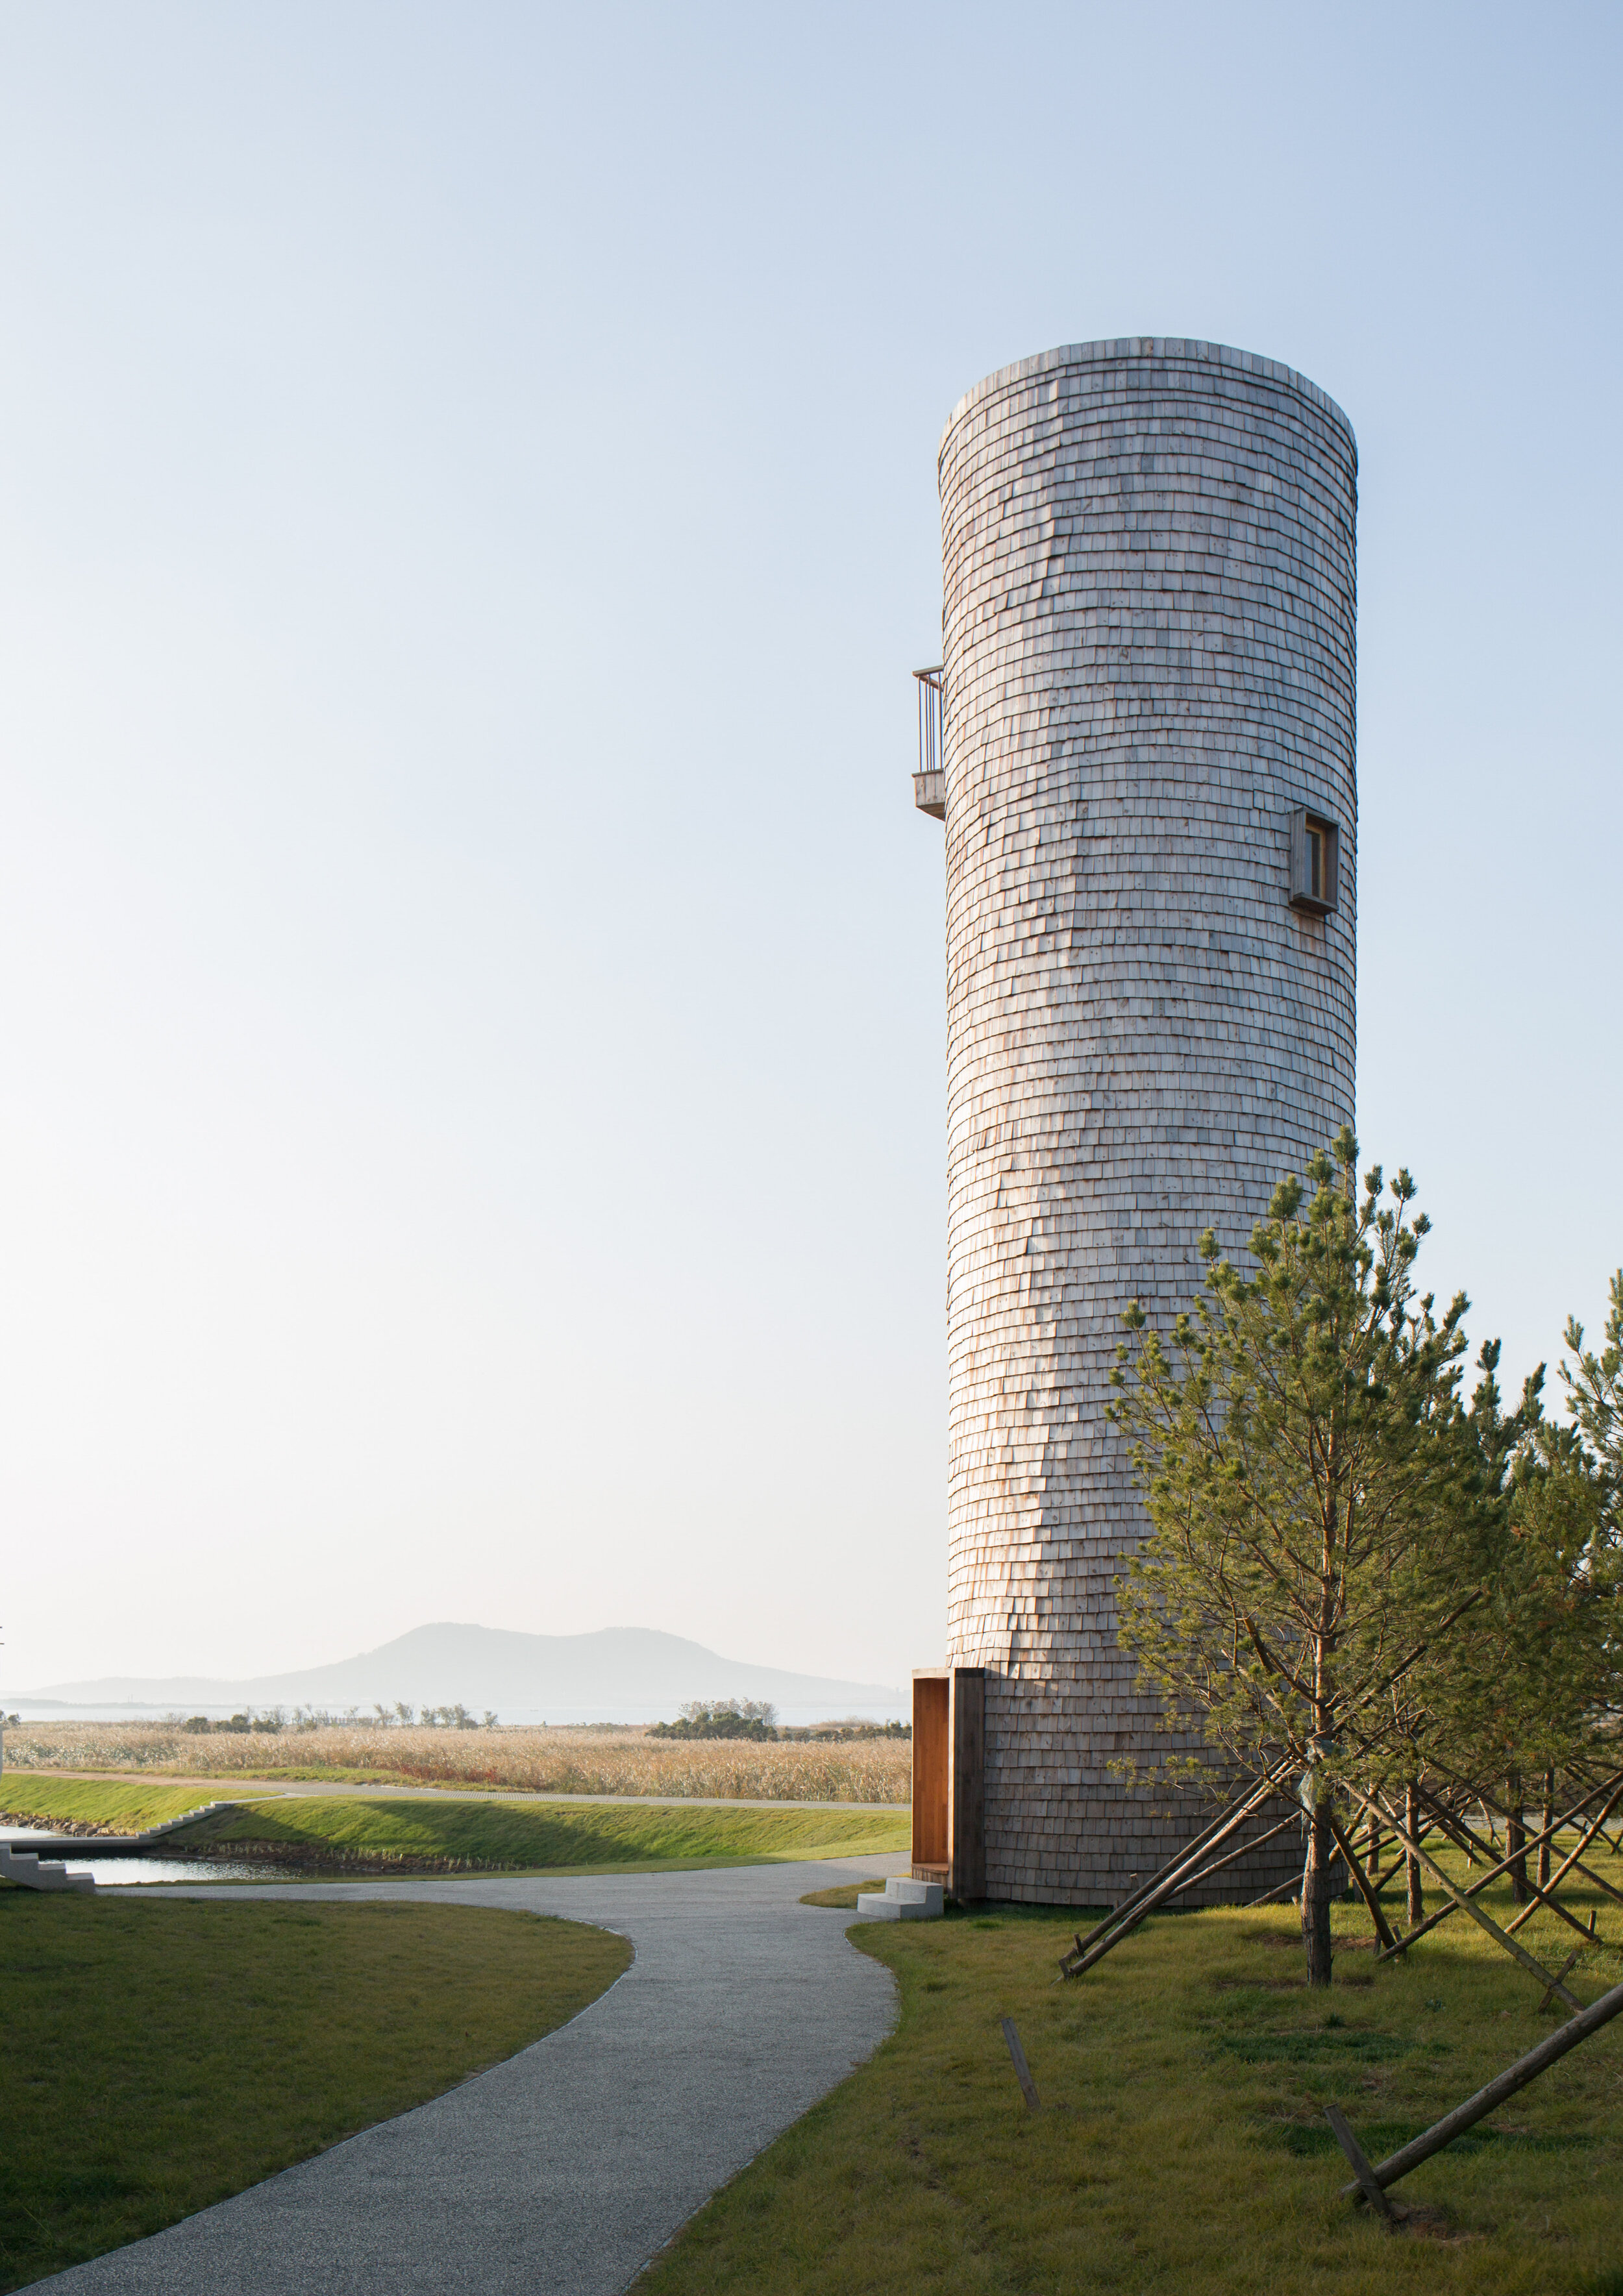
563, 2170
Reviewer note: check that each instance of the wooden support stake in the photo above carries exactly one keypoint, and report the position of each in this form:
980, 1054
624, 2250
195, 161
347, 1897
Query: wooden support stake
1571, 1858
1245, 1850
1493, 1873
1136, 1898
1272, 1897
1570, 1964
1022, 2071
1361, 1882
1536, 1896
1599, 1881
1466, 1905
1173, 1877
1207, 1838
1503, 2085
1359, 2159
1384, 1881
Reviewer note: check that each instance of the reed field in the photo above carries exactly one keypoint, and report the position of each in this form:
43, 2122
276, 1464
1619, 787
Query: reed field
510, 1760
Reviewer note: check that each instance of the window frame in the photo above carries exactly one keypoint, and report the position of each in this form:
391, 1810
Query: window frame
1306, 822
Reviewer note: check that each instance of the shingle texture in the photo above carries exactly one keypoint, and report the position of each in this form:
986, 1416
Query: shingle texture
1148, 635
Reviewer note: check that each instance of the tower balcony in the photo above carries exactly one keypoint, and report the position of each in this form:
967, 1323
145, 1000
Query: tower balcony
930, 781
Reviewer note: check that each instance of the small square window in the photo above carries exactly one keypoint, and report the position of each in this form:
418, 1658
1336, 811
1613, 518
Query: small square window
1316, 863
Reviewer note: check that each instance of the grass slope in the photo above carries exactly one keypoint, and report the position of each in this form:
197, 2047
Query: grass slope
556, 1837
161, 2055
125, 1808
1182, 2143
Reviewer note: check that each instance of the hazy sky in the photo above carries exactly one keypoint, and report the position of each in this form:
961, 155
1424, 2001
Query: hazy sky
471, 1015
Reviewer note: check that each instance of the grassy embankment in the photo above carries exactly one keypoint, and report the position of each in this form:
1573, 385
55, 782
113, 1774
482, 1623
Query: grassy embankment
516, 1760
543, 1838
161, 2055
34, 1800
436, 1833
1182, 2143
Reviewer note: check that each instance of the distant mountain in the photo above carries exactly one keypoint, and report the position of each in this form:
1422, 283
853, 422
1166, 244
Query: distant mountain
622, 1673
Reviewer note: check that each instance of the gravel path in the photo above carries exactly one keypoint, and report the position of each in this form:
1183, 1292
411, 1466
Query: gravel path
561, 2172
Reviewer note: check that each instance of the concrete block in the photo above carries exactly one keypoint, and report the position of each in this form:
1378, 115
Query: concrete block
903, 1900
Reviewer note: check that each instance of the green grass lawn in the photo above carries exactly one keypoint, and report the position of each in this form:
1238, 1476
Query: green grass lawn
40, 1799
555, 1837
1182, 2143
844, 1897
159, 2055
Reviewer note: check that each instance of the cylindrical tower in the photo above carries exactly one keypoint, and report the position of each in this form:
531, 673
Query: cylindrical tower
1151, 811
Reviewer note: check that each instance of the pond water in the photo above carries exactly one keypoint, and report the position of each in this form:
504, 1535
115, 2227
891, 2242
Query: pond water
124, 1872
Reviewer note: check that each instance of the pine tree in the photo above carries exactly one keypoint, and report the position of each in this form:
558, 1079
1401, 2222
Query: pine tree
1309, 1478
1529, 1683
1594, 1399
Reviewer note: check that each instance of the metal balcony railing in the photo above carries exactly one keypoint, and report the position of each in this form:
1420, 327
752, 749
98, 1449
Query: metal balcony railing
930, 781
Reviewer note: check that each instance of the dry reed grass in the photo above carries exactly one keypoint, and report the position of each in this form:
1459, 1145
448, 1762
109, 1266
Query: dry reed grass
539, 1761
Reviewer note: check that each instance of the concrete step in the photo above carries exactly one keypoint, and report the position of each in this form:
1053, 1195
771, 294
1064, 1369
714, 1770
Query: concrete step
31, 1874
174, 1825
44, 1844
903, 1900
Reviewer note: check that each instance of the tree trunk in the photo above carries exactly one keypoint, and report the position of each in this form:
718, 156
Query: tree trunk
1546, 1820
1372, 1855
1515, 1843
1411, 1826
1315, 1895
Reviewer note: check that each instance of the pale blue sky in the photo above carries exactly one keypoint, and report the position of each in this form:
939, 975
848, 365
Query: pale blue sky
470, 977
